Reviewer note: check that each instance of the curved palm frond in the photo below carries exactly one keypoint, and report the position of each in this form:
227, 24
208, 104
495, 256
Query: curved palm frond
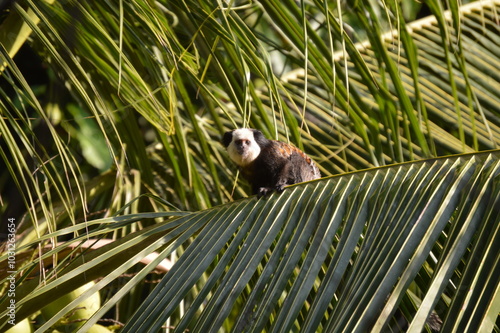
346, 252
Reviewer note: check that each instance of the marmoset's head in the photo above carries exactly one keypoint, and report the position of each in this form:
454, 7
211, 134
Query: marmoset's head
243, 145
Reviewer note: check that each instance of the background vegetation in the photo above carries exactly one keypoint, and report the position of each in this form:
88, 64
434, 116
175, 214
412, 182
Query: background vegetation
112, 167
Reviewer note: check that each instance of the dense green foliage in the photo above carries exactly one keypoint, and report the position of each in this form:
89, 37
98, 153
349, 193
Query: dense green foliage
111, 119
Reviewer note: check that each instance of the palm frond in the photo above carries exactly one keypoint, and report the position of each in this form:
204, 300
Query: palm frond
337, 253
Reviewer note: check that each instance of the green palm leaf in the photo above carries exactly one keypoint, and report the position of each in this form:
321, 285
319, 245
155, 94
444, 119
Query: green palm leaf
387, 221
339, 253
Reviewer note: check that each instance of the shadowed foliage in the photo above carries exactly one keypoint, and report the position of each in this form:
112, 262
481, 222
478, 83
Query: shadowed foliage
113, 171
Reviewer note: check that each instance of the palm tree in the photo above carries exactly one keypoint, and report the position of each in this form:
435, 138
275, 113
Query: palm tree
118, 196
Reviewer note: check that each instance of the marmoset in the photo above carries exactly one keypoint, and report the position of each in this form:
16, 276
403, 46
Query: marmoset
268, 165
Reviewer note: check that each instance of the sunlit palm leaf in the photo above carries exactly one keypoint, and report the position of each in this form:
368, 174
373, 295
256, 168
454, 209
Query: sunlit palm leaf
289, 268
420, 62
336, 253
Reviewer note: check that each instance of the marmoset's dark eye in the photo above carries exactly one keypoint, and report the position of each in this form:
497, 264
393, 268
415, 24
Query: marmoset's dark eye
242, 142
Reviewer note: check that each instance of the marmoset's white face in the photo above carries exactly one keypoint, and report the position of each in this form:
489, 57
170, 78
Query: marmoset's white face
243, 148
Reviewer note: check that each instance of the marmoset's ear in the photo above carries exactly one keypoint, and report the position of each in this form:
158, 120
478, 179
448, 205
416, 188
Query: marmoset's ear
259, 137
228, 137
